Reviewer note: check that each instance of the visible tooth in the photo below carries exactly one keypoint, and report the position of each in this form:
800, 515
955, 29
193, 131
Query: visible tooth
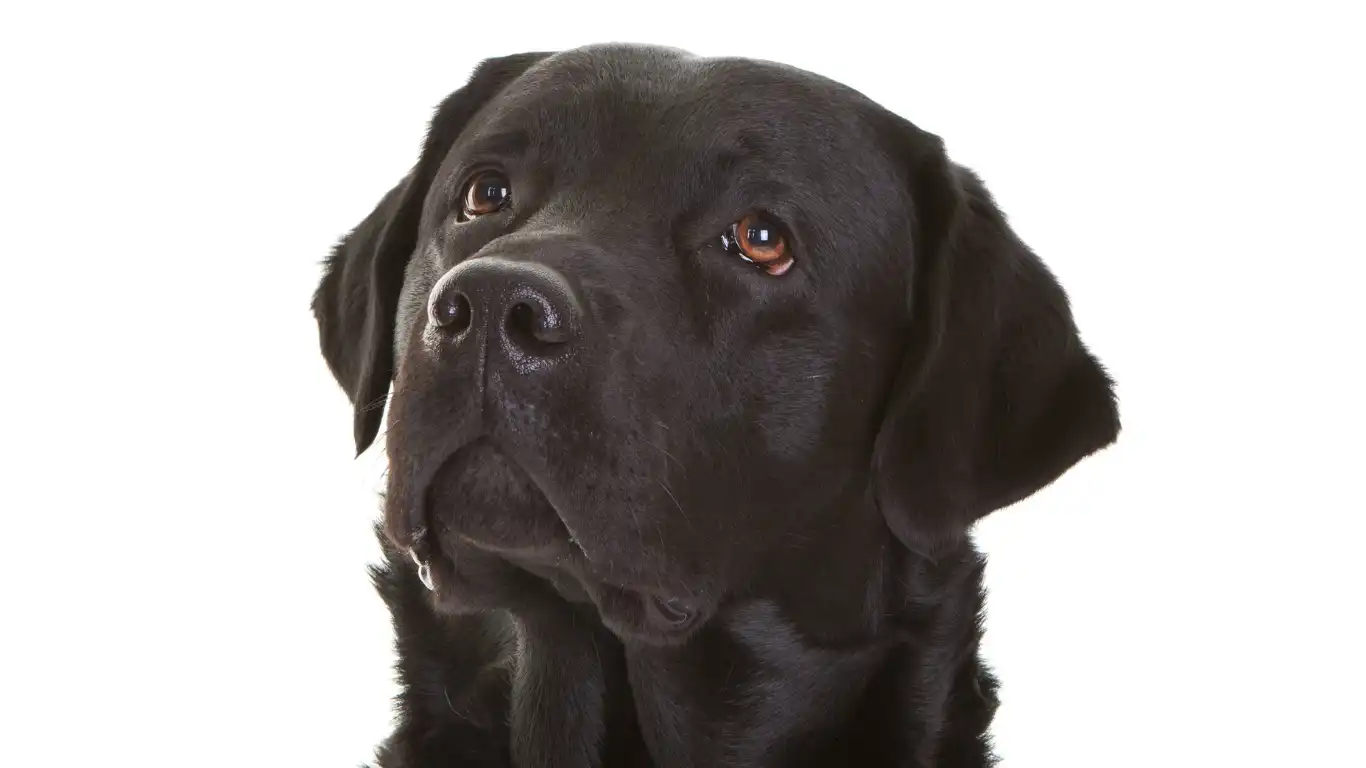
424, 571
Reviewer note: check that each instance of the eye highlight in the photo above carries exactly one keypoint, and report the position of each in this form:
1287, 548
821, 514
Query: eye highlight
759, 242
486, 192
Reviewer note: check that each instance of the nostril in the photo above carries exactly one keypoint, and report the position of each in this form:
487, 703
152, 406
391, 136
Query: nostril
532, 324
453, 313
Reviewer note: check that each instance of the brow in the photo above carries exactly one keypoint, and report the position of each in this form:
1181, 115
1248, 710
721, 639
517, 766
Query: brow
501, 143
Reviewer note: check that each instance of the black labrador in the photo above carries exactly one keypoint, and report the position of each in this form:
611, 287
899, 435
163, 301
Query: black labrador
701, 370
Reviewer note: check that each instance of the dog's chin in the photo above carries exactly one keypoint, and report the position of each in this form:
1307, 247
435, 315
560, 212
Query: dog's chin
500, 544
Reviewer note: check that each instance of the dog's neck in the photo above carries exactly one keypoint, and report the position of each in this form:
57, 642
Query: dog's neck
857, 660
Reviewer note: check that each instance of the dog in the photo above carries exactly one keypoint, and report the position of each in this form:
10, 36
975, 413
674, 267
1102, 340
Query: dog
701, 371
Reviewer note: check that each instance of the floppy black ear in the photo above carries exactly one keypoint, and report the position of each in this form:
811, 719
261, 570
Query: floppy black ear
357, 300
996, 395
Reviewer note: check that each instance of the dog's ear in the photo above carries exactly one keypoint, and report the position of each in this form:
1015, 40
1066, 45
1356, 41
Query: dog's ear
357, 300
996, 396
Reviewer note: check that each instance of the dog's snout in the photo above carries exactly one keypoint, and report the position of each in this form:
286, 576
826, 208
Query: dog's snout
530, 307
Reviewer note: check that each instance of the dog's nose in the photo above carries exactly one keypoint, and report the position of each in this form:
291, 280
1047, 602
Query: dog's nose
530, 307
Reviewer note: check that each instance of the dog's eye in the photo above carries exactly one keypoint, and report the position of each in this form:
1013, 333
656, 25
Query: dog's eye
487, 192
759, 242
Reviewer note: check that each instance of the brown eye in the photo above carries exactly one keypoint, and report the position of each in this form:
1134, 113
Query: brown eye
760, 242
488, 192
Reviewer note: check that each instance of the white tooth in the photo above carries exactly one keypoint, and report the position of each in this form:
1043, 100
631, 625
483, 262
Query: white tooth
424, 571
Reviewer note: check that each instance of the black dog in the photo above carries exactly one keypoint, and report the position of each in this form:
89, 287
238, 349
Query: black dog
702, 369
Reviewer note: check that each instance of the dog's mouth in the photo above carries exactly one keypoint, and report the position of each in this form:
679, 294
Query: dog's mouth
480, 503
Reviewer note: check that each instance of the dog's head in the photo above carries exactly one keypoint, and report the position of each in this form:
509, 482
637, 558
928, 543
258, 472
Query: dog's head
650, 319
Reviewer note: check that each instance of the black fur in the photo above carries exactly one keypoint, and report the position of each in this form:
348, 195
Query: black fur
790, 464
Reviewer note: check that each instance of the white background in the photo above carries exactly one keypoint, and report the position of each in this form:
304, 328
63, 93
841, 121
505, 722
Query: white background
185, 532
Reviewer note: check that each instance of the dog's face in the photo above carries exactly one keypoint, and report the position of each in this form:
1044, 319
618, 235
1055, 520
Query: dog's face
650, 319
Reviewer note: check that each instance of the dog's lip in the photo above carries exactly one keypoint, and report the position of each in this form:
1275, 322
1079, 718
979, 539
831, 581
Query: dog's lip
545, 555
405, 502
407, 515
656, 613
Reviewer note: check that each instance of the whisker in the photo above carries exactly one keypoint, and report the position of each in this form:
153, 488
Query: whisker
667, 490
661, 450
378, 402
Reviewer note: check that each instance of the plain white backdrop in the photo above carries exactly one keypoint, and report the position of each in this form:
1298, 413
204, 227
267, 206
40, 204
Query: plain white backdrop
185, 532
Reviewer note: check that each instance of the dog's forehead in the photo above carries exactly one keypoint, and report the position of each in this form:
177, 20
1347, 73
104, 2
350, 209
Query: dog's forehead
615, 99
615, 133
